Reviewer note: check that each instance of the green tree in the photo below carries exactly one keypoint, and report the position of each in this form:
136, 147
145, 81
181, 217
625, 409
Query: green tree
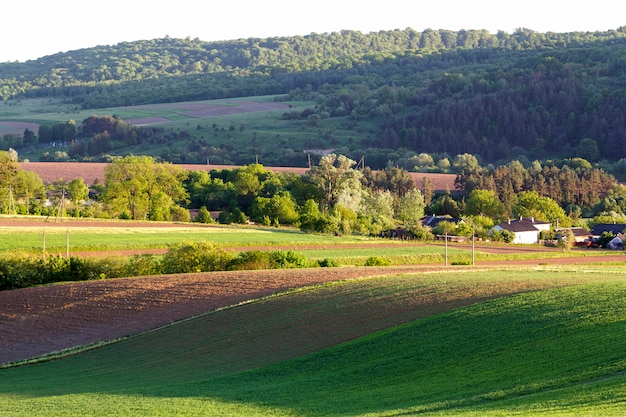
204, 216
77, 191
310, 216
137, 185
378, 212
530, 204
9, 168
445, 227
565, 239
588, 149
465, 161
410, 207
484, 202
281, 207
28, 185
334, 175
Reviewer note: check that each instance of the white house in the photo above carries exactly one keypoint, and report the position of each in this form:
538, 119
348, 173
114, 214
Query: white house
526, 230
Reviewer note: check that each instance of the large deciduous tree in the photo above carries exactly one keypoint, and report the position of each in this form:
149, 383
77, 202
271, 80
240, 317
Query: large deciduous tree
333, 176
484, 202
78, 191
530, 204
410, 207
137, 186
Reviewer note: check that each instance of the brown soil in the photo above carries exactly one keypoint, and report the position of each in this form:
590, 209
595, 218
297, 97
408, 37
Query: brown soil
17, 128
36, 321
92, 172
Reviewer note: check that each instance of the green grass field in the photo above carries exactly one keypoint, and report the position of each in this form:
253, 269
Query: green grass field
558, 350
119, 238
251, 133
346, 250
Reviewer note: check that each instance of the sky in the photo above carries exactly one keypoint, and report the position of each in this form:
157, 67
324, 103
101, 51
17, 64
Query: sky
31, 29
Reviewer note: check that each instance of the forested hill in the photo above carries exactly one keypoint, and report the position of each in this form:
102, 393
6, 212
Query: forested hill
94, 71
436, 91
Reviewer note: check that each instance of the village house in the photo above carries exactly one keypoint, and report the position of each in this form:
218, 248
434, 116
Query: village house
526, 230
581, 235
617, 230
614, 228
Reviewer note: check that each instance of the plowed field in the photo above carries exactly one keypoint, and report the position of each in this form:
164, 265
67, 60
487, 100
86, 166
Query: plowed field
91, 172
36, 321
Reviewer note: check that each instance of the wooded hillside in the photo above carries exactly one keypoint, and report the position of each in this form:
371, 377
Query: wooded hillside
499, 96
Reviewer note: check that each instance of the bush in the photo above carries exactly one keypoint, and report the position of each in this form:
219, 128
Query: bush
180, 214
505, 236
189, 257
257, 259
288, 259
254, 259
328, 263
376, 261
141, 265
21, 271
204, 216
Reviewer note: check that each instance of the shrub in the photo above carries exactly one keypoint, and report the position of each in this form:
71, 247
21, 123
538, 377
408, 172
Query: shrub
257, 259
204, 216
376, 261
254, 259
195, 257
139, 265
180, 214
21, 271
328, 263
288, 259
505, 236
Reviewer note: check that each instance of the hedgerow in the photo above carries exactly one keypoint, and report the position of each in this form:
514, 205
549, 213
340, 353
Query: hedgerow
25, 270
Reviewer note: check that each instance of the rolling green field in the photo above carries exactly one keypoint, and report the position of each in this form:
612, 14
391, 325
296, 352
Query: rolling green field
346, 250
556, 348
119, 238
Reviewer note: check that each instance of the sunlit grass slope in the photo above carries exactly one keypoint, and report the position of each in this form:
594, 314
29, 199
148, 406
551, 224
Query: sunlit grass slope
555, 351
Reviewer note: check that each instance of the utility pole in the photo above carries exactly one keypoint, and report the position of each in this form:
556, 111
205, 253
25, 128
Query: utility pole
473, 238
446, 246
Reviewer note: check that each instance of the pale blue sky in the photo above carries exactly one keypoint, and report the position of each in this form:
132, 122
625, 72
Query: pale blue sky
34, 28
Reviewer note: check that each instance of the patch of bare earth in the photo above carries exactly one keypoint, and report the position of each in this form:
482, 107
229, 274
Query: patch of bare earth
146, 121
92, 172
36, 321
18, 128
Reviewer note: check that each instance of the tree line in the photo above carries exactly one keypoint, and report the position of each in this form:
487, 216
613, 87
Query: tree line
333, 197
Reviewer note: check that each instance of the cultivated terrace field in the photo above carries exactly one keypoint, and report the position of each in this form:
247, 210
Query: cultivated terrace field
526, 330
